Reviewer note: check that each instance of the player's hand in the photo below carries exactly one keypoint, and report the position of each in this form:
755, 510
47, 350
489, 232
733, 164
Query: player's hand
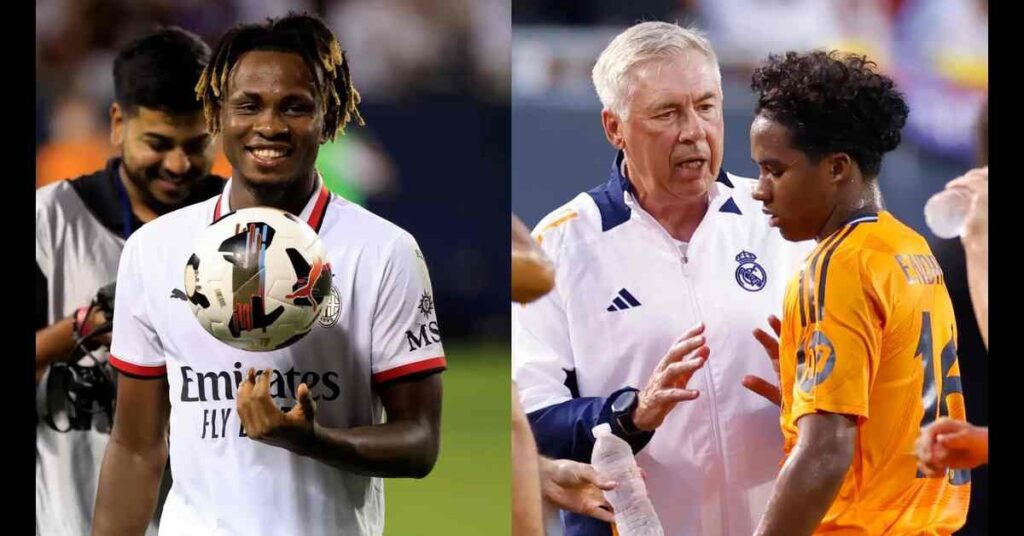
96, 318
576, 487
975, 184
264, 422
667, 385
757, 384
96, 315
951, 444
87, 320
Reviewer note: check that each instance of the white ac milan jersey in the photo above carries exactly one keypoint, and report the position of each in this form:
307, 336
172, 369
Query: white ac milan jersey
378, 324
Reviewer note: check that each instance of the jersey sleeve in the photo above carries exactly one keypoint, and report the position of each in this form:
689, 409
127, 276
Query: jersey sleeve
405, 335
135, 349
839, 343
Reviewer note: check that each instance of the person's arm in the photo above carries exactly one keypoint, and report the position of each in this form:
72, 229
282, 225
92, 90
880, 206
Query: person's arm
404, 446
564, 430
527, 517
406, 355
136, 454
56, 342
134, 461
975, 242
977, 282
811, 476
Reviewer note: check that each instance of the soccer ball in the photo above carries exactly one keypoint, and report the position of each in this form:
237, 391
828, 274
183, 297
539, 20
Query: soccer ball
257, 279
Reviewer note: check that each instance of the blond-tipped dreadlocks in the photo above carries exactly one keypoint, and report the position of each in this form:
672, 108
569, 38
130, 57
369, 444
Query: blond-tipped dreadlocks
304, 35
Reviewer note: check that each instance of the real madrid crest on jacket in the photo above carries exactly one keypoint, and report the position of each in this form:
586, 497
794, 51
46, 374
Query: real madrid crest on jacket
749, 274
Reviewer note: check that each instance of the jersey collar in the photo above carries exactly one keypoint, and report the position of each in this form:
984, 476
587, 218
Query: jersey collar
312, 213
611, 197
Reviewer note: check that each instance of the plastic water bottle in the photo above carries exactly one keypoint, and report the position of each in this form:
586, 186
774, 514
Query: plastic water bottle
946, 212
613, 460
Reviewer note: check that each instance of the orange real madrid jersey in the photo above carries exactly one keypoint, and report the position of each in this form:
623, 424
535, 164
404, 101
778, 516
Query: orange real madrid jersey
869, 332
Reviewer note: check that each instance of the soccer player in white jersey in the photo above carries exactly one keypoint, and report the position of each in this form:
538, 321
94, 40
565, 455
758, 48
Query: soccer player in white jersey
661, 276
275, 91
165, 155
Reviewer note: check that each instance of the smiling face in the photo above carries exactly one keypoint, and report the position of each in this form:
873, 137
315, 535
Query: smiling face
163, 155
271, 119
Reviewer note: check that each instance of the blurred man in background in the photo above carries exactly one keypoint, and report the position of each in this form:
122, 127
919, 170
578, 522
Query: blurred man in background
81, 227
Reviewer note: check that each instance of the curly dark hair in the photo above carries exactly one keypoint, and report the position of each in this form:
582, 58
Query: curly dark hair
304, 35
832, 103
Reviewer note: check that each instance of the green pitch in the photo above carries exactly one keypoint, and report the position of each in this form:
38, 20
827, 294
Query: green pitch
468, 491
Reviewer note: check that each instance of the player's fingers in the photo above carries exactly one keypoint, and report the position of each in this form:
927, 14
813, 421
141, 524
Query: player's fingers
673, 396
265, 415
680, 372
776, 325
932, 465
692, 332
249, 418
263, 383
969, 179
242, 406
680, 350
587, 473
939, 455
959, 439
770, 345
945, 425
922, 445
306, 401
764, 388
927, 469
245, 388
959, 182
600, 510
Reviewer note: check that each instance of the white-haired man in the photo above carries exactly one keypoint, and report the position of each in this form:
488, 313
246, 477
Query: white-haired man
662, 274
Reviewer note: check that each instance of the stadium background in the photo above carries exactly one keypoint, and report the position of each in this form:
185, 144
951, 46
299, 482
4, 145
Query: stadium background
433, 158
937, 51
